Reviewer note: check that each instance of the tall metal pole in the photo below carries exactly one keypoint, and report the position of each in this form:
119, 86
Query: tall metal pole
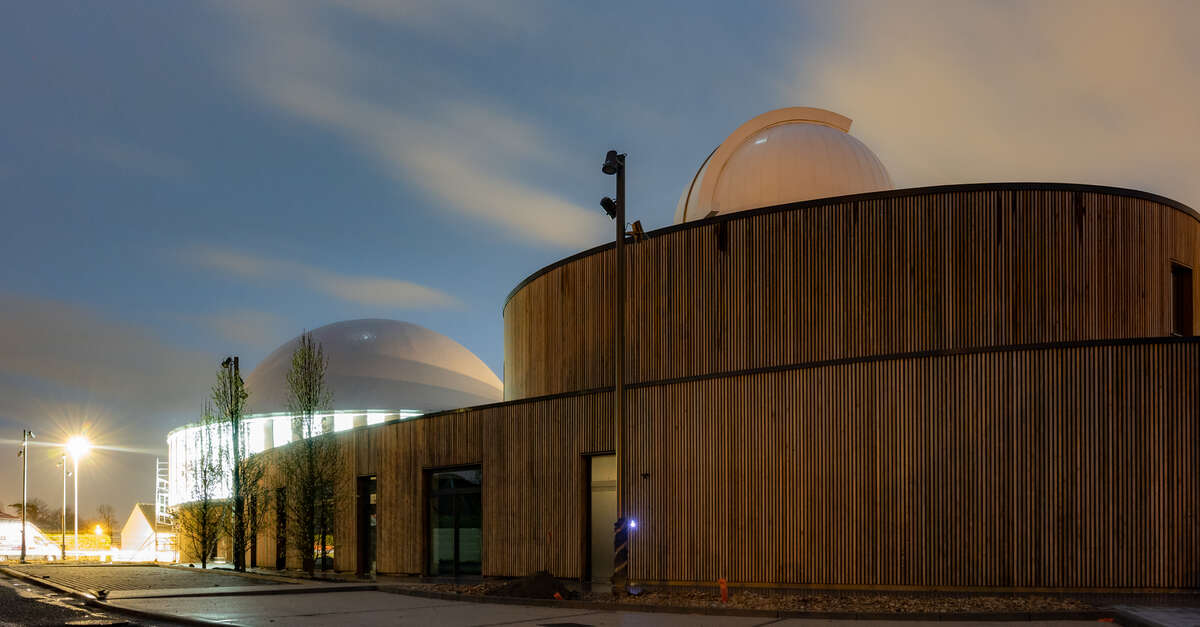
24, 487
62, 538
76, 459
619, 352
154, 522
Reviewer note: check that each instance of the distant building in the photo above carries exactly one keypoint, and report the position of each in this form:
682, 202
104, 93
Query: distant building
144, 540
379, 371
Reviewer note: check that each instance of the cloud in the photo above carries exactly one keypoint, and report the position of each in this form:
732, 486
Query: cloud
66, 369
362, 290
133, 159
468, 158
246, 327
948, 92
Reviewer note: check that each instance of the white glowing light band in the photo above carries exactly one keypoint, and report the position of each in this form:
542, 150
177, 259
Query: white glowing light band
259, 433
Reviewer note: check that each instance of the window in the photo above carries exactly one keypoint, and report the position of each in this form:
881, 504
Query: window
455, 522
1181, 300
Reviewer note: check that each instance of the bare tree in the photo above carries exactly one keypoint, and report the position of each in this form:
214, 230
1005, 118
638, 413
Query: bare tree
107, 517
201, 521
309, 463
37, 509
229, 394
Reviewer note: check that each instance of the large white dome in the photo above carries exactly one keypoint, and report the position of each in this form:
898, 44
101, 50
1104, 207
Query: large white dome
786, 155
382, 365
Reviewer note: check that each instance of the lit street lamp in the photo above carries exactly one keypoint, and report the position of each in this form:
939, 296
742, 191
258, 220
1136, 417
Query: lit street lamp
62, 538
78, 446
26, 436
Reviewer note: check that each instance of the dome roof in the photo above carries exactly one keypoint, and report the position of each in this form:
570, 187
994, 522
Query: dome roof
786, 155
381, 365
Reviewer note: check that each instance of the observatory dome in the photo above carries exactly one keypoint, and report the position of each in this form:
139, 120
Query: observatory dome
381, 365
787, 155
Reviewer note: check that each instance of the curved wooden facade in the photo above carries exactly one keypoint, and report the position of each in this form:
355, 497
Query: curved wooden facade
893, 272
955, 387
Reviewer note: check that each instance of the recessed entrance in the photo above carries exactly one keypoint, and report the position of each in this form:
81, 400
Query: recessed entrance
367, 527
456, 522
602, 512
281, 528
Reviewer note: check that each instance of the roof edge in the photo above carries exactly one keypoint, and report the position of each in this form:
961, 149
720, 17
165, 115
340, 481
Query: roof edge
891, 193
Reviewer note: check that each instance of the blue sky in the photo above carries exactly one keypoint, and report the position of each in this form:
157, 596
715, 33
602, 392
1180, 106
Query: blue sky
187, 180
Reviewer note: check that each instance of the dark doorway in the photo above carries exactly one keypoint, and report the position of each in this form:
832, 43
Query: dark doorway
281, 528
1181, 296
253, 531
368, 533
456, 522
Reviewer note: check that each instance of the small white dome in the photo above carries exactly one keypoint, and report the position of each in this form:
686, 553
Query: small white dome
787, 155
381, 365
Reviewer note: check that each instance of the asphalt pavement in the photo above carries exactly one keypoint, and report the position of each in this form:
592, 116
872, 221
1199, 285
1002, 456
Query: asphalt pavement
154, 595
33, 606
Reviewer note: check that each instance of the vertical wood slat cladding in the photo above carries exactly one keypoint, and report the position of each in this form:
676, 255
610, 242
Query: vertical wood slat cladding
1060, 468
867, 277
531, 454
1063, 467
1054, 466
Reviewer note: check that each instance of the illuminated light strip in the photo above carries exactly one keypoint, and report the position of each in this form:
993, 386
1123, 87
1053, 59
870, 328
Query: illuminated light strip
182, 441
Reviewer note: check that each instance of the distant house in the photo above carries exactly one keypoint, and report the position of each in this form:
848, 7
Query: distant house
36, 542
138, 536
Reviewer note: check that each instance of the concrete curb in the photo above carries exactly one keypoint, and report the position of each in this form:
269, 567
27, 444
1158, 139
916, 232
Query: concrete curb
779, 614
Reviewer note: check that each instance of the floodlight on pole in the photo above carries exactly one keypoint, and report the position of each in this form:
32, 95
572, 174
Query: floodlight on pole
610, 206
614, 163
77, 446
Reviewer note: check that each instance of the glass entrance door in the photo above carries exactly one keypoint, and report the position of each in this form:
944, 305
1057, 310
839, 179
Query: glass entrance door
455, 522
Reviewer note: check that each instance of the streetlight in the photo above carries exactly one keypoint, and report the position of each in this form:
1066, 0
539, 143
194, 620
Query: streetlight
62, 538
614, 163
26, 436
78, 446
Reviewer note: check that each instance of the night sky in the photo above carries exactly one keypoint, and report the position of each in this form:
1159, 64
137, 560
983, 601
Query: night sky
182, 181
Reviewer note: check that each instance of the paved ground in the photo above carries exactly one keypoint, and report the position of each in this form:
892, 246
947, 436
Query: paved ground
24, 604
381, 608
1163, 616
236, 600
106, 577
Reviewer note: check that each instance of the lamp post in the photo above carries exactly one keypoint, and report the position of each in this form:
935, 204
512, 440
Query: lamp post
26, 436
78, 446
62, 538
614, 163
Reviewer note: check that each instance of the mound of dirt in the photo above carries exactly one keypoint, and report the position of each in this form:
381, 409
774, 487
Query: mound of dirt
540, 585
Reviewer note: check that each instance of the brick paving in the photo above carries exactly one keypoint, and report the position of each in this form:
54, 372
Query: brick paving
87, 578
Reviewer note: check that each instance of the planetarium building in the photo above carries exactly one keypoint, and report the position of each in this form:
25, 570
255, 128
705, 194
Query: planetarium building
827, 382
379, 371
